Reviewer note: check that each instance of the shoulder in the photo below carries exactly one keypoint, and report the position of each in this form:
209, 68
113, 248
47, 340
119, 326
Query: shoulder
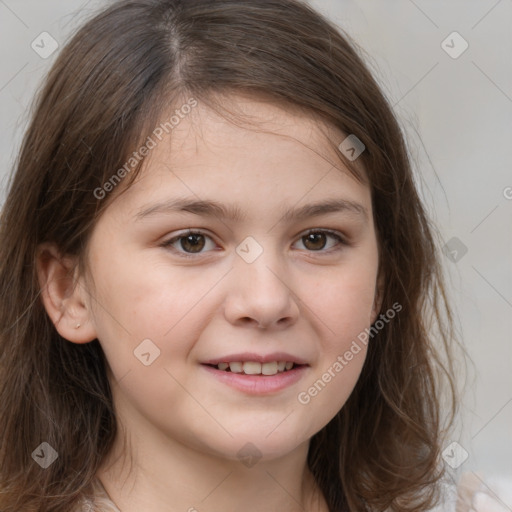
476, 493
100, 502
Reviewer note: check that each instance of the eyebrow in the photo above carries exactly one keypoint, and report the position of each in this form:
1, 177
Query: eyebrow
208, 208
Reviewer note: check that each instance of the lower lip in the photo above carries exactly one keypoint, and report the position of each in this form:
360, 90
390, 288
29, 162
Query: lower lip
258, 384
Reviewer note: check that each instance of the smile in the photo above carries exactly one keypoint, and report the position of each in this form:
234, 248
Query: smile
256, 368
250, 377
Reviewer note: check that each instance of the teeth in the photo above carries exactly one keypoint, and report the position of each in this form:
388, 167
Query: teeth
255, 368
269, 368
236, 367
251, 368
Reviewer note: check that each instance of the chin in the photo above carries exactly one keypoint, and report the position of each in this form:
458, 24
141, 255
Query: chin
252, 447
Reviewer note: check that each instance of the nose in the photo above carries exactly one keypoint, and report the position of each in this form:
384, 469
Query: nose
260, 293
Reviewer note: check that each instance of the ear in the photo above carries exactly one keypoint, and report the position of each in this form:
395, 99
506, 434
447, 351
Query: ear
379, 296
64, 296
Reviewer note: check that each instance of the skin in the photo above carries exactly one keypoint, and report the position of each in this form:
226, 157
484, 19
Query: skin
309, 299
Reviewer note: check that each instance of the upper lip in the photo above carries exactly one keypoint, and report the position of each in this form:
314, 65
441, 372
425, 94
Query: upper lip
251, 356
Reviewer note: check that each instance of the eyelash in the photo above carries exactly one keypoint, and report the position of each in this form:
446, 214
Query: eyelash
168, 244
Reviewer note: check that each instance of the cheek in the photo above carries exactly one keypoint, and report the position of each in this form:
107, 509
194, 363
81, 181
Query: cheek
343, 301
343, 305
141, 295
331, 387
338, 370
142, 299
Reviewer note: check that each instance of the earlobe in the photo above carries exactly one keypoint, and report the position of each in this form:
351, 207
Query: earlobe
62, 295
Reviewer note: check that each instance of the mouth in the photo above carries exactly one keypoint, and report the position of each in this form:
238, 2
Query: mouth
256, 368
268, 376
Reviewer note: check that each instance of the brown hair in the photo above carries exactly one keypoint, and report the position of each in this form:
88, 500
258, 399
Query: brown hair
103, 95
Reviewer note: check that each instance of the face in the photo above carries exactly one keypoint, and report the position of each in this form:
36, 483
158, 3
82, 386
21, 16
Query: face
259, 286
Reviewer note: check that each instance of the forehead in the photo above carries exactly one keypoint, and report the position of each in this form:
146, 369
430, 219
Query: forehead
252, 120
250, 142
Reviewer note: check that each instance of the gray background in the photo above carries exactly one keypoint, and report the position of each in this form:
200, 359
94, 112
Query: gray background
456, 113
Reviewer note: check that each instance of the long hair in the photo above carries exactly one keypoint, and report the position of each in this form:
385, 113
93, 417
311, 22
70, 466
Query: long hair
100, 101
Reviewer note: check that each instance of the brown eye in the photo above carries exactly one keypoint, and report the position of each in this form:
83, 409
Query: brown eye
188, 244
192, 243
316, 240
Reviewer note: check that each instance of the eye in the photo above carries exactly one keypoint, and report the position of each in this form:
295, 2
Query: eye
315, 239
193, 242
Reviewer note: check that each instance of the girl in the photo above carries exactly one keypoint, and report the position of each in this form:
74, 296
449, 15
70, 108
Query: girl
220, 286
